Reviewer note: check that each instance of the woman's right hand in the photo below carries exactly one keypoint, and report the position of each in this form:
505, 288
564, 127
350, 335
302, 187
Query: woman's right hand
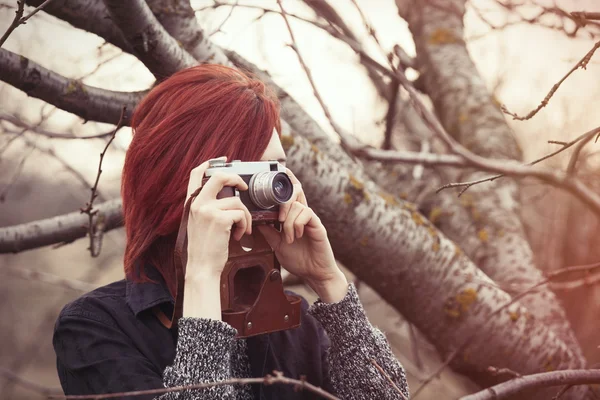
209, 230
210, 223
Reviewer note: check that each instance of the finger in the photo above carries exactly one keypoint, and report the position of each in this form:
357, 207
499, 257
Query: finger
301, 197
218, 181
196, 176
234, 203
297, 194
238, 218
288, 224
302, 220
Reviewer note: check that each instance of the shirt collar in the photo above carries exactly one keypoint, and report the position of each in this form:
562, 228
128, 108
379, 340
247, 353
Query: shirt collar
141, 296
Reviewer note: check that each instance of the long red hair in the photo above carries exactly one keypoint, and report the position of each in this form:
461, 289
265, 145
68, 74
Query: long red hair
199, 113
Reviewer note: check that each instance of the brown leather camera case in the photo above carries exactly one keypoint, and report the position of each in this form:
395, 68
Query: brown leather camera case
252, 296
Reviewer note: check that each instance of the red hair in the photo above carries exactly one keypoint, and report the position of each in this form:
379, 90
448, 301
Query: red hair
199, 113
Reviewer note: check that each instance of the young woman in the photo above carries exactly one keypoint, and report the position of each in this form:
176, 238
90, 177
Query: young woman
111, 340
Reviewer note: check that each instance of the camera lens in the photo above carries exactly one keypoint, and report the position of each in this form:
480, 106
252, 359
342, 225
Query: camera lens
282, 187
268, 188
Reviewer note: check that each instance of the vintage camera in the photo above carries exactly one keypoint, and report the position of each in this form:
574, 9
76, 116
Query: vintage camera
252, 297
268, 186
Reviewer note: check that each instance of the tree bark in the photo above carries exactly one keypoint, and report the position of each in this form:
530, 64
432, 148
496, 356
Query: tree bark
406, 259
496, 239
179, 20
59, 229
88, 102
151, 43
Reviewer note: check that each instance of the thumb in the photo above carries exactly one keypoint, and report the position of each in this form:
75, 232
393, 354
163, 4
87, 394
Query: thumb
271, 234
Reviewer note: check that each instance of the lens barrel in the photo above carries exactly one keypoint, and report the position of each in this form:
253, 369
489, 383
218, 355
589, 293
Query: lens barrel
268, 189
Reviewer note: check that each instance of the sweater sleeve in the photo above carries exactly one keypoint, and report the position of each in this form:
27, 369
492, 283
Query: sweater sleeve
207, 351
356, 346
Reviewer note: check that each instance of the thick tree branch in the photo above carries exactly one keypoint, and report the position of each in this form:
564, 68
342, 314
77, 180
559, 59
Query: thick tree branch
151, 43
88, 102
60, 229
179, 20
537, 381
468, 112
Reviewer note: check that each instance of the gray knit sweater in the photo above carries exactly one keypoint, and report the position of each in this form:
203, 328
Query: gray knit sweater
354, 343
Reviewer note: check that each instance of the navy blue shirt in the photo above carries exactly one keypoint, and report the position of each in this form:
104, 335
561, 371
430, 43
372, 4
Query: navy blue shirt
109, 340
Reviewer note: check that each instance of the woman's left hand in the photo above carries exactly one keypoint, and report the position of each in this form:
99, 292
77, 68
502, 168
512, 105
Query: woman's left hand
303, 248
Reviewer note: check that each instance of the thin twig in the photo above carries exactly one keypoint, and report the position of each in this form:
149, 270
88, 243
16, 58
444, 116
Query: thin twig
276, 378
16, 21
19, 19
100, 65
385, 374
584, 138
96, 227
508, 167
308, 72
367, 24
50, 152
503, 371
561, 392
217, 4
576, 152
581, 64
52, 135
37, 9
475, 332
233, 6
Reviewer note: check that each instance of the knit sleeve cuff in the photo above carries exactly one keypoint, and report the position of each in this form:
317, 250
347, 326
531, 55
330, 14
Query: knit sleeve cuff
203, 351
345, 320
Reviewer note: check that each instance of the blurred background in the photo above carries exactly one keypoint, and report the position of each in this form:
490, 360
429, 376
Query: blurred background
41, 177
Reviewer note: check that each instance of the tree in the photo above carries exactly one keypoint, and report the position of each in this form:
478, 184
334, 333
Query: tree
449, 264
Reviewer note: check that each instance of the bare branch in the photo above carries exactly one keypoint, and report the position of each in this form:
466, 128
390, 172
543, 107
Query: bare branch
294, 46
218, 28
580, 64
96, 225
179, 19
389, 379
537, 381
276, 378
473, 335
88, 102
60, 229
19, 19
581, 140
15, 23
327, 12
52, 135
50, 152
158, 50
